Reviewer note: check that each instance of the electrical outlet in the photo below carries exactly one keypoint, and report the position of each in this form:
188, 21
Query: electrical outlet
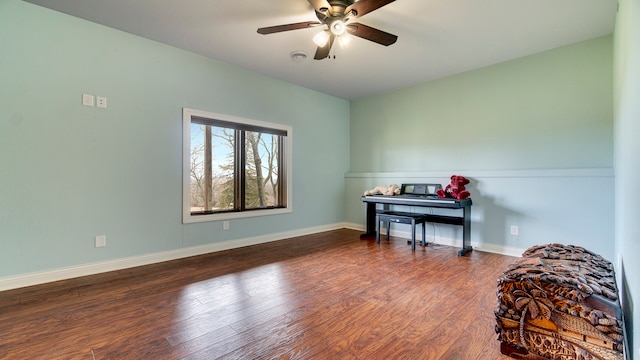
514, 230
225, 225
101, 241
101, 102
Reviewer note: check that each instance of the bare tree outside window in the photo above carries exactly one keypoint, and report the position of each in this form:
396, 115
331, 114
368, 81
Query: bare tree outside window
234, 167
212, 169
261, 170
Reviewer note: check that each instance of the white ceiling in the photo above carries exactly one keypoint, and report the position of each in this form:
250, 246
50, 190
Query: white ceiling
436, 38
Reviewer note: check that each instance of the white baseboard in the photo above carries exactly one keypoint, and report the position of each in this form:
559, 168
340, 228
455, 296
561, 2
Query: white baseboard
491, 248
502, 250
354, 226
41, 277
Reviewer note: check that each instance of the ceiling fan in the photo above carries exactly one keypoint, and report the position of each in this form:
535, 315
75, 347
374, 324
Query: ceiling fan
337, 15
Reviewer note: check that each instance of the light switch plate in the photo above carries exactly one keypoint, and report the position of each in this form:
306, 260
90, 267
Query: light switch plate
87, 99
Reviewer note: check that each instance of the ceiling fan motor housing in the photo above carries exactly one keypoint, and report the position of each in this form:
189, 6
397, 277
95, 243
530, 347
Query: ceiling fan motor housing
336, 11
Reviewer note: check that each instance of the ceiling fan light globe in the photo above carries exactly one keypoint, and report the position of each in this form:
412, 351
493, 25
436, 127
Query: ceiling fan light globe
321, 38
338, 27
344, 40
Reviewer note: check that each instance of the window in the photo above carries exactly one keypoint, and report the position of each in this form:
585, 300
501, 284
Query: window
234, 167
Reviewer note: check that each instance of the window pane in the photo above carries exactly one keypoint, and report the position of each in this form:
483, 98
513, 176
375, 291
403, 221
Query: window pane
211, 168
261, 170
234, 167
223, 166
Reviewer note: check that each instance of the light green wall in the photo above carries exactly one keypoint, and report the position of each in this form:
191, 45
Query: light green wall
70, 172
534, 135
627, 161
546, 111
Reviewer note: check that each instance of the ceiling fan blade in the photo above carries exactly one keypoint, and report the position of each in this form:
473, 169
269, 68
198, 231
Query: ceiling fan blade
371, 34
363, 7
287, 27
319, 4
323, 51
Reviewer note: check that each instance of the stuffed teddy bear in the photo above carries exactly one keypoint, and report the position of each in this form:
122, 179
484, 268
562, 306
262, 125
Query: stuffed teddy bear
392, 189
455, 189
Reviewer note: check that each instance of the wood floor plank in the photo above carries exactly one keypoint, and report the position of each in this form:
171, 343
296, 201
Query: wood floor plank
326, 295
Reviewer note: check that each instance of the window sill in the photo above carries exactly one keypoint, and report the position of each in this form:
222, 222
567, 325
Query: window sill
189, 219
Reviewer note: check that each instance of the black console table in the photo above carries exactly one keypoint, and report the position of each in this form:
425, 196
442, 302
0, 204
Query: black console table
424, 201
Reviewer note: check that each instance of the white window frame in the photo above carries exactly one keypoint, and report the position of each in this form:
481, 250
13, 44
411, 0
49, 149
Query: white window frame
187, 217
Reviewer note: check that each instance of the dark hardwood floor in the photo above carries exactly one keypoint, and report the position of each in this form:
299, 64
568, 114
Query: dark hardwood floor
324, 296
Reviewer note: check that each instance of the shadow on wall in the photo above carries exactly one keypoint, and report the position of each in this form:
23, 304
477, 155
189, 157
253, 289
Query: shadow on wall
627, 312
492, 224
